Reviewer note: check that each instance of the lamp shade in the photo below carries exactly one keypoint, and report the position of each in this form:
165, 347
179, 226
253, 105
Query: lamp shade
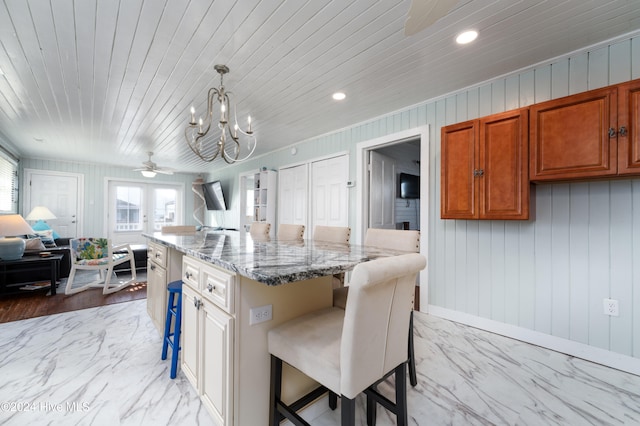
40, 213
12, 225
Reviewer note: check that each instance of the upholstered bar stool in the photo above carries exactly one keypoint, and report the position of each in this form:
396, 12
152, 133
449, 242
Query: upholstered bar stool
350, 351
287, 231
174, 311
260, 230
333, 234
393, 239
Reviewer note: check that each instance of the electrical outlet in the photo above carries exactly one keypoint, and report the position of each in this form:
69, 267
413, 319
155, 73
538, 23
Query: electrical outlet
611, 307
260, 314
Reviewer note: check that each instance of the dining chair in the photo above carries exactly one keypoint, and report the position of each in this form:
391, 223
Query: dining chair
97, 254
393, 239
350, 351
288, 231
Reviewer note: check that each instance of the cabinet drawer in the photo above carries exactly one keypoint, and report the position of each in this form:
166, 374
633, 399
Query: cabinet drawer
191, 273
157, 254
218, 287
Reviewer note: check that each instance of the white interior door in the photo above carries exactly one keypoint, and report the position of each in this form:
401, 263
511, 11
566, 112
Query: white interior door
292, 195
382, 191
136, 208
329, 196
59, 192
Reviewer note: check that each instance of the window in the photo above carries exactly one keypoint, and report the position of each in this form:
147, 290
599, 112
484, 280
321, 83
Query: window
8, 184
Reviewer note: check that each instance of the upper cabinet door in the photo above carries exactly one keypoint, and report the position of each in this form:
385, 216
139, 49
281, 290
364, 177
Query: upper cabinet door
504, 176
629, 128
484, 169
574, 137
458, 193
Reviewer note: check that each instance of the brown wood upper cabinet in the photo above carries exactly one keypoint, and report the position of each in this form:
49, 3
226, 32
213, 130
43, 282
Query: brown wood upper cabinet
484, 168
588, 135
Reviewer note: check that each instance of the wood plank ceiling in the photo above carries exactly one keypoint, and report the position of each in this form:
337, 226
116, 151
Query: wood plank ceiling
106, 81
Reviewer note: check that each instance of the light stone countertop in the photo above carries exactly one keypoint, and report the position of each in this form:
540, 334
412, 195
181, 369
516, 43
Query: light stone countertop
270, 261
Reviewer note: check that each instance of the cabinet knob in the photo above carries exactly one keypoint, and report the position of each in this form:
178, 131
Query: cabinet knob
623, 131
187, 275
612, 132
153, 267
478, 173
196, 302
210, 287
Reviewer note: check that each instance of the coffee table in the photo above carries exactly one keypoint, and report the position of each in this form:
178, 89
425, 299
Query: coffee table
29, 263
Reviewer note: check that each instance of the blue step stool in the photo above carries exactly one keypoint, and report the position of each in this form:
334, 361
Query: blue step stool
174, 309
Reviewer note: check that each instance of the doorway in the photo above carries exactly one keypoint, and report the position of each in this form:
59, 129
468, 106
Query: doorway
363, 150
62, 193
136, 208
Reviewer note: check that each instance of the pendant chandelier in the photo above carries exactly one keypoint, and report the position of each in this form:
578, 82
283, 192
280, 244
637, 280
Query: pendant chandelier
209, 137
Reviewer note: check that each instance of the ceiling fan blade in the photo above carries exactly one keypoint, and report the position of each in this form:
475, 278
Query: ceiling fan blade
424, 13
163, 171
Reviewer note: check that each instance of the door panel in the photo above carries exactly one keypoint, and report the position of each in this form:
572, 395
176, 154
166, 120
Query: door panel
382, 194
59, 193
137, 208
329, 197
293, 195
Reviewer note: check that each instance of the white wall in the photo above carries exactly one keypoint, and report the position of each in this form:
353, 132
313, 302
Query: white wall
541, 280
94, 197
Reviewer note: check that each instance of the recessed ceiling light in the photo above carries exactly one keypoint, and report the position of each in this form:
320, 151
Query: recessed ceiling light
338, 96
466, 37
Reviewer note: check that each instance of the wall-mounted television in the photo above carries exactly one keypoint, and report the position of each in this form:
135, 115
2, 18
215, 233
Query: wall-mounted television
213, 196
409, 186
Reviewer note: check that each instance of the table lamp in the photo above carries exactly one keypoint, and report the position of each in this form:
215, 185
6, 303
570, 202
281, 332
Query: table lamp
40, 214
12, 225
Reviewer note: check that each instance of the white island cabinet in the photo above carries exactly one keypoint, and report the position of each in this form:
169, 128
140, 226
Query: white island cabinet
162, 268
225, 276
224, 356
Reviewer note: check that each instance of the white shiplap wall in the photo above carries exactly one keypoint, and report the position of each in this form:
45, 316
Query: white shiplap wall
94, 181
542, 277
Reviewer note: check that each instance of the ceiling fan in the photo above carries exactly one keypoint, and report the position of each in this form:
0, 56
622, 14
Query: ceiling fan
150, 168
424, 13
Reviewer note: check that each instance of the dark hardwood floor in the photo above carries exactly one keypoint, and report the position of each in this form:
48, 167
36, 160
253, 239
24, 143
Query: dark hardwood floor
36, 303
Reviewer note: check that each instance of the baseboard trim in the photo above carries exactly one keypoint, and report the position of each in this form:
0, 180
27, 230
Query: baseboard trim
579, 350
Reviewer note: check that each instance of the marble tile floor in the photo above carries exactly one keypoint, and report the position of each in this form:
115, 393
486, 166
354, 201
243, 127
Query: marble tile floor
101, 366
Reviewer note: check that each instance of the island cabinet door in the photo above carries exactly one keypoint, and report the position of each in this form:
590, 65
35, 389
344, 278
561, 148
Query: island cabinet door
216, 368
191, 302
156, 294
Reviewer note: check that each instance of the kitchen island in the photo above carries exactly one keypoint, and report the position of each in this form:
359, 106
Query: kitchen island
235, 290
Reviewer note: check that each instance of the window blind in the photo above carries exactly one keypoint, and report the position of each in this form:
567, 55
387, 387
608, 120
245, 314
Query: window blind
8, 184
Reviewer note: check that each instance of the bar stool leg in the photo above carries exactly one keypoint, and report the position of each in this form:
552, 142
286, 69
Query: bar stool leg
167, 327
176, 337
